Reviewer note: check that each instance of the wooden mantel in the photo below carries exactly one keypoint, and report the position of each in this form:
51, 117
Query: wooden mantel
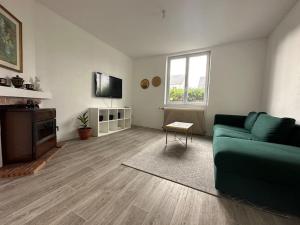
22, 93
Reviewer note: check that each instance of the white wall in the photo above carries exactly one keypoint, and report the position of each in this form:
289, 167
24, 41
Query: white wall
282, 81
24, 11
236, 78
235, 83
146, 102
66, 57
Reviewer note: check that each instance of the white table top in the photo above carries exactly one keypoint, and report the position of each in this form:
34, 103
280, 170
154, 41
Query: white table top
180, 125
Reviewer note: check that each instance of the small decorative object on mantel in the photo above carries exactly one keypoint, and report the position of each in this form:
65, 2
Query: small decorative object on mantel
145, 83
5, 82
11, 50
84, 132
29, 86
156, 81
36, 82
31, 104
17, 81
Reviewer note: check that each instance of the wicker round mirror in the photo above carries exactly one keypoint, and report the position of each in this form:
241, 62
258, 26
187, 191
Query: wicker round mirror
156, 81
145, 83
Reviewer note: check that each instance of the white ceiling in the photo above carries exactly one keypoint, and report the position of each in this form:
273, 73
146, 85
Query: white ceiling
136, 27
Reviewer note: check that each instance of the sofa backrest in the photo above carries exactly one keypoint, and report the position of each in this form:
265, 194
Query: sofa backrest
272, 129
295, 136
251, 119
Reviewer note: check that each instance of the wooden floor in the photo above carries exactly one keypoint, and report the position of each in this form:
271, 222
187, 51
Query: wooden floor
85, 183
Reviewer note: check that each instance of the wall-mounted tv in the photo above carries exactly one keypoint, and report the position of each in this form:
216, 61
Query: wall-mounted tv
107, 86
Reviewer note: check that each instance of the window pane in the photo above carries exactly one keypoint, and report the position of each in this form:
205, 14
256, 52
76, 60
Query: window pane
177, 80
197, 78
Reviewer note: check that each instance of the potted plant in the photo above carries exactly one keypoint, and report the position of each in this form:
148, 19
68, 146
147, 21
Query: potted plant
84, 132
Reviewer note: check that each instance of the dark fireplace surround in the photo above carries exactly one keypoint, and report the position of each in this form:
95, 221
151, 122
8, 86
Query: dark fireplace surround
27, 132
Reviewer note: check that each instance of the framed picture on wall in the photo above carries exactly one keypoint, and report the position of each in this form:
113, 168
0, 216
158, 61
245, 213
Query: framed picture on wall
11, 49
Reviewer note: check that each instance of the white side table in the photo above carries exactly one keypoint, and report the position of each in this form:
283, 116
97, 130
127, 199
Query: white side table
180, 126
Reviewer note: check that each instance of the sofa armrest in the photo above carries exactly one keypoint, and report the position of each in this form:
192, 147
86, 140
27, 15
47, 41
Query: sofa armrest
230, 120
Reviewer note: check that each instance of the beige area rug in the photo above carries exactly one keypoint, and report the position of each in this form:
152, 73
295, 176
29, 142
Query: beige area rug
192, 167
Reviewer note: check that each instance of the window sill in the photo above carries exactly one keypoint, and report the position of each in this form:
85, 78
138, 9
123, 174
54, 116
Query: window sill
195, 105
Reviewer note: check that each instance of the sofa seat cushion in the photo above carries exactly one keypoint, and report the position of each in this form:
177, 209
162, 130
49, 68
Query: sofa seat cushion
272, 129
258, 160
230, 128
224, 132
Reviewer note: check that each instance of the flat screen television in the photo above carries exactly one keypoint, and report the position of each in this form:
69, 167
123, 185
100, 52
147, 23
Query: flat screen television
107, 86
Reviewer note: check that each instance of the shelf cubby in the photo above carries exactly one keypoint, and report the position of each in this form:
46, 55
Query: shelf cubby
127, 123
103, 114
103, 127
113, 113
122, 113
127, 113
121, 124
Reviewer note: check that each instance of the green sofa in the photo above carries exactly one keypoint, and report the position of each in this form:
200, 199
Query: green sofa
257, 158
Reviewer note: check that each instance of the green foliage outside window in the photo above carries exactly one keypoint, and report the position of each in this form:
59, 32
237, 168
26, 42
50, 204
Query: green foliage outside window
194, 94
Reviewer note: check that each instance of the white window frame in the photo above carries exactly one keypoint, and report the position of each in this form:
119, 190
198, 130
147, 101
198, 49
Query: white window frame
185, 97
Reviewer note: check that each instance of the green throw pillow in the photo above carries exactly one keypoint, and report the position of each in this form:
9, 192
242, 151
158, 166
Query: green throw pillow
272, 129
250, 120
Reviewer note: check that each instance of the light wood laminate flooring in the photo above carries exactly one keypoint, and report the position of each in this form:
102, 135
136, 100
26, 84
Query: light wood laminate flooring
85, 183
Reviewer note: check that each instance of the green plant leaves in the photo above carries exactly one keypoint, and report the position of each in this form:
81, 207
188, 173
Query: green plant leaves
84, 119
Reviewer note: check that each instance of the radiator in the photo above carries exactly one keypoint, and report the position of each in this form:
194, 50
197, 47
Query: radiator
188, 115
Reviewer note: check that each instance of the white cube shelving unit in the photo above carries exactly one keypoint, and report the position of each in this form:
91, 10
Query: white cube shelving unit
105, 121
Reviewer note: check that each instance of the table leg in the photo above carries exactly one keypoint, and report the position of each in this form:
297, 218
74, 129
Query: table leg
186, 137
191, 135
166, 136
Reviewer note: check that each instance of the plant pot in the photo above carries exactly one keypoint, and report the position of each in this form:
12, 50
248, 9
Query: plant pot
85, 133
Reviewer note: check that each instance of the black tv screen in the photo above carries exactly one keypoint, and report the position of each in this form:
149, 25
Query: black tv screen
108, 86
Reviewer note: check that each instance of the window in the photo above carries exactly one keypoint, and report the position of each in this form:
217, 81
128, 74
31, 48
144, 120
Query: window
187, 79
